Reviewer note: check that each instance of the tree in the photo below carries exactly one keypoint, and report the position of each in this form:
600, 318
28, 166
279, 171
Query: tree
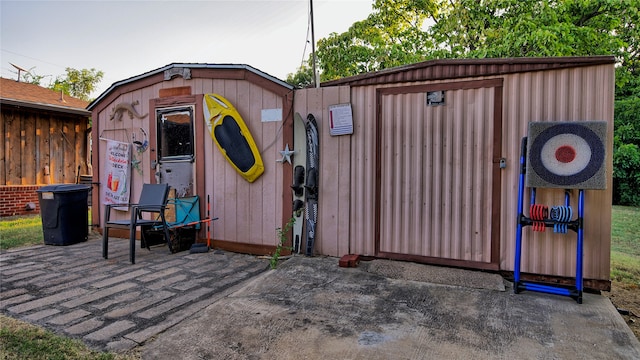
390, 36
301, 79
400, 32
32, 78
78, 83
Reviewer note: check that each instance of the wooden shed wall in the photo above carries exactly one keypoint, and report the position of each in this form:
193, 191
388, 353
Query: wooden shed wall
249, 213
335, 182
571, 94
33, 140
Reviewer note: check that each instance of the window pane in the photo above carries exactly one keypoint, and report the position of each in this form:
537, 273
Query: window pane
176, 133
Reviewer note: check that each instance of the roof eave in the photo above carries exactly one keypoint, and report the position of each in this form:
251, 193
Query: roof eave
41, 106
191, 66
576, 60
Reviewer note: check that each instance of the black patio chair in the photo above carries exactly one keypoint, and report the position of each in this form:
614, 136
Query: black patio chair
153, 200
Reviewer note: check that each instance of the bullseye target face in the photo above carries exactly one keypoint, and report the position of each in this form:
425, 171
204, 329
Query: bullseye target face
566, 155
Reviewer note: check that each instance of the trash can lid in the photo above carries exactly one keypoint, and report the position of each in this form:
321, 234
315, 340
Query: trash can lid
61, 188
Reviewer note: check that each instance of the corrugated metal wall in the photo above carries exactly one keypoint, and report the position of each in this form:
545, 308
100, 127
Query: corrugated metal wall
584, 93
363, 174
436, 175
572, 94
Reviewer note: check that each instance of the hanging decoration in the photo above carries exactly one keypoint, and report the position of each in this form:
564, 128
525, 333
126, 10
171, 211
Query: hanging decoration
141, 147
286, 155
118, 173
118, 111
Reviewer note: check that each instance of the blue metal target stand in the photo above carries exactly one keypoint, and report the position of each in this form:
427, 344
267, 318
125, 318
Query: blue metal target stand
541, 217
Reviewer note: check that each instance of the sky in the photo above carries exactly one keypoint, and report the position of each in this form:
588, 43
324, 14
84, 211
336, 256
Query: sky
129, 38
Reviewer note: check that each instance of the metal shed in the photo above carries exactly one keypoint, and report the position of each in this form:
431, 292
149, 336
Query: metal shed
422, 180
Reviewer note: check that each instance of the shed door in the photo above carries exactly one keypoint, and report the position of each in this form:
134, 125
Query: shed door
439, 174
176, 148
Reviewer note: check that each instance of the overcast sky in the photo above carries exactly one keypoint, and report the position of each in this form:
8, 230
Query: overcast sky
128, 38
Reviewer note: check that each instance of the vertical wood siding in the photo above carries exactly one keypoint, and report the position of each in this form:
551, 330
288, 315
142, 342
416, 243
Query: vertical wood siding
33, 140
248, 213
335, 183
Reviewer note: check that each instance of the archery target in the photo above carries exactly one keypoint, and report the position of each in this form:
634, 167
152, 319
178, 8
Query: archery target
568, 155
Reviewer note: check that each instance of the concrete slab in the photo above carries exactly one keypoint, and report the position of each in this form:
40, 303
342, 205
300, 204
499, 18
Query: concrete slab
230, 306
309, 308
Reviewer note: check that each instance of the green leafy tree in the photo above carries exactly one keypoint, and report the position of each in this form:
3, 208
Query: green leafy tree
626, 151
400, 32
392, 35
78, 83
508, 28
301, 79
626, 174
32, 78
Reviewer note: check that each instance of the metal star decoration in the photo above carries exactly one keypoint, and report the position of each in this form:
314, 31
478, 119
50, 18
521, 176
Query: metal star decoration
286, 155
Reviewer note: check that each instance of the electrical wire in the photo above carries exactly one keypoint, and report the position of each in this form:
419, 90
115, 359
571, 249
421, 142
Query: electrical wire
306, 42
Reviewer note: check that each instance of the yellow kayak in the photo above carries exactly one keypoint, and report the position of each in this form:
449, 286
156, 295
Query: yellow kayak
232, 136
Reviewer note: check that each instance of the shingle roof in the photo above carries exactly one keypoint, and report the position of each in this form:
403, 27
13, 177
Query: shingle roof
31, 95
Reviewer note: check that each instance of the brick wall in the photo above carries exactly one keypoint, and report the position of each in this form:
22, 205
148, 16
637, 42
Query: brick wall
15, 198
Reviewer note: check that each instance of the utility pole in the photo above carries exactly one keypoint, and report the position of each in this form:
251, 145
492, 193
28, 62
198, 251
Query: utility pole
316, 76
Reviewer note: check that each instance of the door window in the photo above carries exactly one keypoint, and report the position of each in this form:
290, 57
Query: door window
175, 133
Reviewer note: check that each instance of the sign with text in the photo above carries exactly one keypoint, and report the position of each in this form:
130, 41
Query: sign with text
340, 120
117, 173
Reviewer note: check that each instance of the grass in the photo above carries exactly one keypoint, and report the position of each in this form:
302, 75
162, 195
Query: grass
20, 340
625, 246
18, 231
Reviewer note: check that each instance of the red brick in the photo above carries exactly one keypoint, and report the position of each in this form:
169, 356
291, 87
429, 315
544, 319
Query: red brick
350, 260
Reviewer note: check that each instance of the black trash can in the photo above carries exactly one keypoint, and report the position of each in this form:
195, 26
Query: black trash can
64, 212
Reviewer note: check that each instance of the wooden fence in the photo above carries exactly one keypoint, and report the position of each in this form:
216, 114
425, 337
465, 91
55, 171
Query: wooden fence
41, 147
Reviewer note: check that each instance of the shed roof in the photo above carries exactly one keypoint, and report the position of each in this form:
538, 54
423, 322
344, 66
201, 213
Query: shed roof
465, 68
29, 95
191, 66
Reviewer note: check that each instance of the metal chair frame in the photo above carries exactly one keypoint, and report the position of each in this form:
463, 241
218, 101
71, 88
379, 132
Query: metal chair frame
153, 200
